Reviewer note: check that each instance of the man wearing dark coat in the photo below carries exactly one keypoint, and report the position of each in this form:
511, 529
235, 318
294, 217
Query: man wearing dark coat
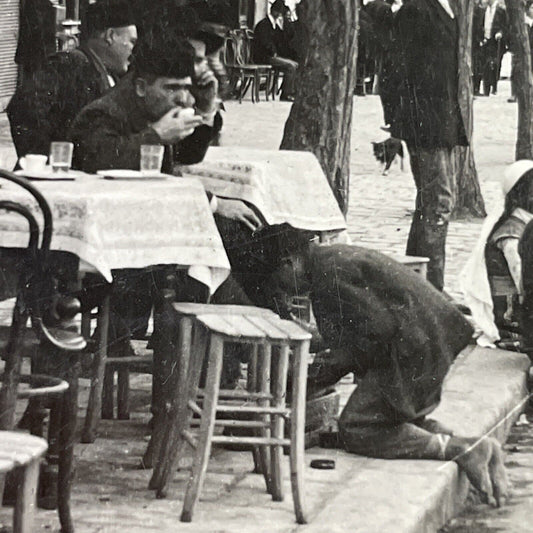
268, 47
46, 103
428, 119
399, 336
492, 26
477, 47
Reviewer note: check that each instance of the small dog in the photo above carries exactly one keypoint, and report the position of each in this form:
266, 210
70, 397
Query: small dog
386, 151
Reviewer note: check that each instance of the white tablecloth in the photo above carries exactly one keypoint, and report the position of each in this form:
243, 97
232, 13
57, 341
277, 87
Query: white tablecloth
114, 224
285, 186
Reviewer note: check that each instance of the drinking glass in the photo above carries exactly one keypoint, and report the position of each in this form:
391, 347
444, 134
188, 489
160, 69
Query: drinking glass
61, 156
151, 158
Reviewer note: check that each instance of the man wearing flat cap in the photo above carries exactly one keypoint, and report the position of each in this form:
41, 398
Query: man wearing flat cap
43, 108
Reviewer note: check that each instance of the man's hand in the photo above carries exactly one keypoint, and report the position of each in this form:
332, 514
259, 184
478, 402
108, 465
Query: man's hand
498, 36
176, 124
238, 210
205, 91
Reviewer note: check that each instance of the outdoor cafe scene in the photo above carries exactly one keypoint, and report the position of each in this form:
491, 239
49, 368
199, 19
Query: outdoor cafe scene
192, 334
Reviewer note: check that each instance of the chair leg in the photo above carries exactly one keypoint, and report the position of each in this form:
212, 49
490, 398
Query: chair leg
207, 426
297, 449
241, 86
108, 401
123, 393
263, 385
280, 365
97, 382
25, 503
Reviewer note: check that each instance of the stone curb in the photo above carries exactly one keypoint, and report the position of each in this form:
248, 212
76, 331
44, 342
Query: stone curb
484, 393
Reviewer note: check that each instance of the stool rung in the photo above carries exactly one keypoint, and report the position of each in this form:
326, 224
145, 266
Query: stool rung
190, 438
194, 407
240, 395
268, 441
253, 409
236, 423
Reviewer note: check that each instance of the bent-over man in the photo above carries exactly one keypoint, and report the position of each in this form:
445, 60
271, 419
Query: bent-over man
399, 336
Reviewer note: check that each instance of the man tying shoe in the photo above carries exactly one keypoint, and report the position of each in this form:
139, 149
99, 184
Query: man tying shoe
399, 336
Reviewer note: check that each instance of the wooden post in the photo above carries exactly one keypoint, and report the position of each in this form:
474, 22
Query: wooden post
469, 200
522, 76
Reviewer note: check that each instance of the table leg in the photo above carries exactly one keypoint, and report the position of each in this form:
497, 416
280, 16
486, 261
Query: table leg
95, 396
67, 435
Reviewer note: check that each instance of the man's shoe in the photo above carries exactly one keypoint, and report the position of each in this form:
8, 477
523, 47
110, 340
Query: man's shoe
512, 100
287, 98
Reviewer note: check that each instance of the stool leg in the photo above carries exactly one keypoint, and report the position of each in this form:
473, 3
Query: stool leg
25, 503
123, 394
251, 386
297, 451
108, 403
97, 382
263, 385
280, 366
207, 426
171, 437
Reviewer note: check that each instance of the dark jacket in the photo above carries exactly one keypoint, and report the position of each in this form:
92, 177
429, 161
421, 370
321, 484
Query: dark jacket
109, 132
499, 23
267, 42
44, 106
428, 115
391, 318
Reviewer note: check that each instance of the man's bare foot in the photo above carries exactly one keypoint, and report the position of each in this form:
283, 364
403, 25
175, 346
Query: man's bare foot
474, 460
498, 474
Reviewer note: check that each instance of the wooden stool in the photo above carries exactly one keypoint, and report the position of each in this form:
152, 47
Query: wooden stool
22, 454
205, 329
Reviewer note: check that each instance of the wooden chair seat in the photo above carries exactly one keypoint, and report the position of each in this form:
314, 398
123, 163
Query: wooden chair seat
21, 454
276, 345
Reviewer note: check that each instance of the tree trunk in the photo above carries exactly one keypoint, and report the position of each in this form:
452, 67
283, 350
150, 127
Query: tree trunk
320, 120
522, 77
469, 200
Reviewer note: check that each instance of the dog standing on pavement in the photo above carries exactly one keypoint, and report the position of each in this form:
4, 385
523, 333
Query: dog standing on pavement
386, 151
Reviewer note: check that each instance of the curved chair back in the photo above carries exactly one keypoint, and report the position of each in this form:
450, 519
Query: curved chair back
33, 294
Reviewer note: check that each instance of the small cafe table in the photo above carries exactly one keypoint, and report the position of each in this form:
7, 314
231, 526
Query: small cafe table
287, 187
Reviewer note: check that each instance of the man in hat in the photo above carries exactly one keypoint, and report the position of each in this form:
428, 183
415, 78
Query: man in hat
44, 106
269, 44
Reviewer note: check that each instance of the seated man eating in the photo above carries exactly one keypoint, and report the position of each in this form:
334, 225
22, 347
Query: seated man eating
399, 336
153, 104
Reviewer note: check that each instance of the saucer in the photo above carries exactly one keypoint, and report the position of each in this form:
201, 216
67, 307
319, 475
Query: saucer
46, 174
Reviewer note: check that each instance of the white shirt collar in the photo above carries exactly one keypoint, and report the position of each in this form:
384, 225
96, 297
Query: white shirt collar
446, 6
273, 22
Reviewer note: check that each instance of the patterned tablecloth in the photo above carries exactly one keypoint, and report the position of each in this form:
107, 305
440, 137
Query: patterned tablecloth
285, 186
114, 224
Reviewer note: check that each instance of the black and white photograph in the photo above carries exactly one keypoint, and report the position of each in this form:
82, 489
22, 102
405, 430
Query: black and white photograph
266, 266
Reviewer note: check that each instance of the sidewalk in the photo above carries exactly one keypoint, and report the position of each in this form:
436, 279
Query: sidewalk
483, 393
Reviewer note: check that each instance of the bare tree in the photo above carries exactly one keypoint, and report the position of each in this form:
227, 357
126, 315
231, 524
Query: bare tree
522, 77
468, 193
320, 120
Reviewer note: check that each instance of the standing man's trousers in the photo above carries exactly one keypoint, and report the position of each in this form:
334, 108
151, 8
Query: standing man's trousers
434, 175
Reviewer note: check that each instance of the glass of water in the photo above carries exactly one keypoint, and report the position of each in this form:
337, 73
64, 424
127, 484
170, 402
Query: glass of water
61, 156
151, 158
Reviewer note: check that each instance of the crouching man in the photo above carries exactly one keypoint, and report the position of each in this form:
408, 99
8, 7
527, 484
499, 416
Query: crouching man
399, 336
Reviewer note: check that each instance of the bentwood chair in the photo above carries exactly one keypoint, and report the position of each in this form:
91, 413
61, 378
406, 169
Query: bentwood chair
38, 300
244, 74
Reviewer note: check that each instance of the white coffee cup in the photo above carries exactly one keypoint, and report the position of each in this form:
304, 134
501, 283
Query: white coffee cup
33, 162
187, 112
